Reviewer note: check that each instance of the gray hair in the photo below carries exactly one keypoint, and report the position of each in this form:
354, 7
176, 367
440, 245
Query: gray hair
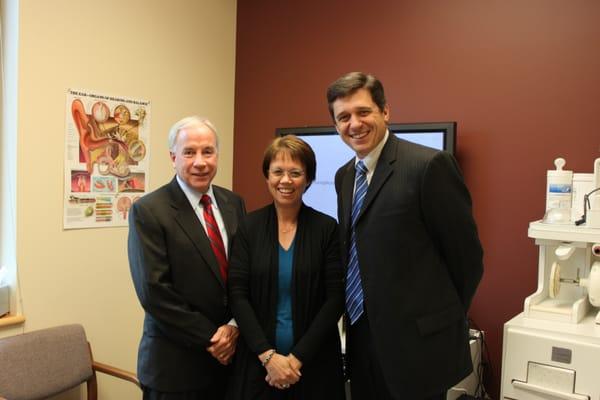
187, 122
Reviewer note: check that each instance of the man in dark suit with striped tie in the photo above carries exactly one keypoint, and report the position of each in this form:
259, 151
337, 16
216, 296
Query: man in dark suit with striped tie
411, 249
178, 245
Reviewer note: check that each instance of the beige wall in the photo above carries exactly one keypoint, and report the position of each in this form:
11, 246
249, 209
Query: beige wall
180, 55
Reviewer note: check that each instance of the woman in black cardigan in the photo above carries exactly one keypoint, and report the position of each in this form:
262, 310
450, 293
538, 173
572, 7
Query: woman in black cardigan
286, 288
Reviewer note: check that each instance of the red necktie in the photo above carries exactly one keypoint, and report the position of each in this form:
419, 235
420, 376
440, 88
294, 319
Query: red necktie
216, 241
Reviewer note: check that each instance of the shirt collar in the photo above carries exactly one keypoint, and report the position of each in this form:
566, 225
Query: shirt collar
194, 196
371, 159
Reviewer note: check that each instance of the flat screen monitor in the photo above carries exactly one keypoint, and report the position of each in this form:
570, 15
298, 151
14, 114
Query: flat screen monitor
332, 153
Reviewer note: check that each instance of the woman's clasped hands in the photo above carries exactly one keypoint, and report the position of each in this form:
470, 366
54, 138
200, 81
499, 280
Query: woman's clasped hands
282, 371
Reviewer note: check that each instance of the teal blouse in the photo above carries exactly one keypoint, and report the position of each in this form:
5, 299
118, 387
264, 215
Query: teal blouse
284, 331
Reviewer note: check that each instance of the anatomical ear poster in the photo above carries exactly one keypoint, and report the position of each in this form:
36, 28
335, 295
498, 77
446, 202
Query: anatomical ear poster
106, 158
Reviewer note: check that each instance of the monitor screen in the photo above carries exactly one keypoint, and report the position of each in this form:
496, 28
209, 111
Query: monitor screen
332, 153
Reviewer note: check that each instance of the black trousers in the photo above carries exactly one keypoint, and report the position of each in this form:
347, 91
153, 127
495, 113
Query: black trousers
366, 377
214, 392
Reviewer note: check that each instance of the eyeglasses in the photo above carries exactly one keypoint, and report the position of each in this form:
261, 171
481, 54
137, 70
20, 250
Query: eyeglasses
292, 173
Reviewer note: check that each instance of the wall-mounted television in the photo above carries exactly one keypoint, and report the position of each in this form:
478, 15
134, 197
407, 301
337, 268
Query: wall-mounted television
332, 153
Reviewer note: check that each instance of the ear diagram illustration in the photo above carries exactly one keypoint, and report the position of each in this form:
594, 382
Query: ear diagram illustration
111, 143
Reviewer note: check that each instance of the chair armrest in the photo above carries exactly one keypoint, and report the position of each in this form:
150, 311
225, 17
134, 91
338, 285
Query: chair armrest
116, 372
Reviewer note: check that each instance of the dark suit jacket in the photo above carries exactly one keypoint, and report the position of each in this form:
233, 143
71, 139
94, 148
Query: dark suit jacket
317, 304
177, 279
420, 260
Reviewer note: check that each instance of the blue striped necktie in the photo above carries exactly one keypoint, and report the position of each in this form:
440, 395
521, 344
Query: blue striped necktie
354, 292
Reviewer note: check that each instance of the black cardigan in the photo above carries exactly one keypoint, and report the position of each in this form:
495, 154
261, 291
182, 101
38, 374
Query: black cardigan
317, 303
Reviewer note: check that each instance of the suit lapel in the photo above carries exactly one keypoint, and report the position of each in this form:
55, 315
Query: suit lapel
382, 172
347, 194
191, 226
228, 213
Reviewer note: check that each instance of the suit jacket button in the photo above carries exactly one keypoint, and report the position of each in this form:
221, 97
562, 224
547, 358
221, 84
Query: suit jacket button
225, 301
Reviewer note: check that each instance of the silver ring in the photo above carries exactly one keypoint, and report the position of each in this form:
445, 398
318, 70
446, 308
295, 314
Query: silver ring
285, 386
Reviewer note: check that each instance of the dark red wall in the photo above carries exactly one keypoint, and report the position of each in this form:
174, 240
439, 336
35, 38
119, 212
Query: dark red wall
521, 78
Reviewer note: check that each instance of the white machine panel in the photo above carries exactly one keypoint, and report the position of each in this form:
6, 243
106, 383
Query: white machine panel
552, 349
553, 378
546, 360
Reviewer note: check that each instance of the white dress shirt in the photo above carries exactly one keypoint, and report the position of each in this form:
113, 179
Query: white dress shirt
371, 159
194, 197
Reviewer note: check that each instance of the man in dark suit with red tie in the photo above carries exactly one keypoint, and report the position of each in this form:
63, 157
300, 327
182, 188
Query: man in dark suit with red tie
178, 245
411, 249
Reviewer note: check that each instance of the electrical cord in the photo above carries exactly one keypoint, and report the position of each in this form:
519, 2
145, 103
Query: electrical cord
484, 362
586, 206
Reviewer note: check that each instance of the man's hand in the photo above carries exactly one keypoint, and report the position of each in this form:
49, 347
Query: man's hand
223, 343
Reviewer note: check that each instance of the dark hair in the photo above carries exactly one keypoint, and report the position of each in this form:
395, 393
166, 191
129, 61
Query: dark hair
297, 149
350, 83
